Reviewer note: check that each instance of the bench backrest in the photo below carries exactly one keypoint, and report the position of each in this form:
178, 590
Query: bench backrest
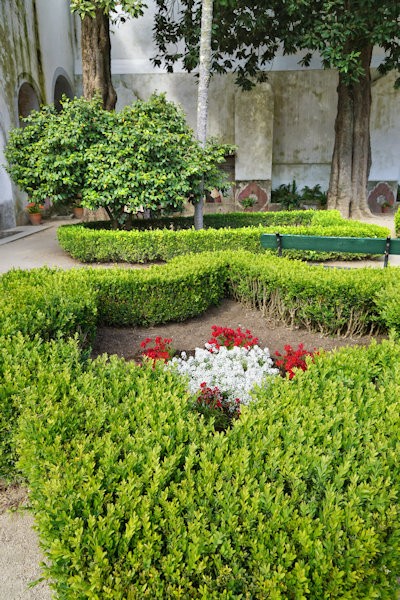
277, 241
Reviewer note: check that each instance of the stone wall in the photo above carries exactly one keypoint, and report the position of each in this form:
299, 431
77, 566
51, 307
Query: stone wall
36, 48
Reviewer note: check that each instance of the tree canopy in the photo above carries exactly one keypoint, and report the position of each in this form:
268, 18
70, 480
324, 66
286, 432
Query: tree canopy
144, 157
87, 8
247, 35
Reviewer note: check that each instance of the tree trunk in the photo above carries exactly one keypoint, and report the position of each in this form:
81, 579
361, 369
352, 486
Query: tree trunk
202, 93
96, 59
351, 161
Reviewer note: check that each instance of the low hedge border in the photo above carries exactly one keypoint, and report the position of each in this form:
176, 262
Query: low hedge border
136, 497
98, 245
219, 220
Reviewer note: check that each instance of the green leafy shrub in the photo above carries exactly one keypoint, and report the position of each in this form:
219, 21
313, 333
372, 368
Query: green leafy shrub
334, 301
159, 294
47, 157
149, 158
137, 498
397, 222
48, 303
218, 220
143, 157
291, 198
21, 359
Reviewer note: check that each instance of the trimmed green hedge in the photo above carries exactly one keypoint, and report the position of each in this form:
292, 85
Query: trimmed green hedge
160, 294
47, 302
220, 220
333, 301
94, 245
397, 222
137, 497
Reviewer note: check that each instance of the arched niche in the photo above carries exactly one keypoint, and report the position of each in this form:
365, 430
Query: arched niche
28, 100
62, 88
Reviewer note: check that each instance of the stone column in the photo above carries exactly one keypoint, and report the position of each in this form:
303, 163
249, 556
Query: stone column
254, 117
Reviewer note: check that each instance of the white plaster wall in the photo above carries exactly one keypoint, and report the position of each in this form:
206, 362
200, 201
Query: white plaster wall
385, 129
182, 89
56, 43
305, 109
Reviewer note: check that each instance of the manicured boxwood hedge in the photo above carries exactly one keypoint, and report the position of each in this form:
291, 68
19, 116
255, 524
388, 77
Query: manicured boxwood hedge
90, 244
137, 497
219, 220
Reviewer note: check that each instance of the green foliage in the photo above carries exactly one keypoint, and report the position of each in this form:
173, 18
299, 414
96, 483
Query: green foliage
47, 303
89, 245
137, 498
221, 220
172, 293
88, 7
288, 195
397, 223
333, 301
21, 359
149, 159
291, 198
247, 36
47, 157
144, 157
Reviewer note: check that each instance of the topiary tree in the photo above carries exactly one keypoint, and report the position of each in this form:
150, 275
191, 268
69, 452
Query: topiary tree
145, 157
47, 156
149, 159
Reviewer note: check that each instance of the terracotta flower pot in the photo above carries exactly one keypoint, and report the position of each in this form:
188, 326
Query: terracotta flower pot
35, 218
78, 212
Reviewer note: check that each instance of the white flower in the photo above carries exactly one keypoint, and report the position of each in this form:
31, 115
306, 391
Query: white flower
235, 372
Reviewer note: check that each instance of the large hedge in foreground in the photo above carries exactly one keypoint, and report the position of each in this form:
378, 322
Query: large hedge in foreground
89, 244
136, 497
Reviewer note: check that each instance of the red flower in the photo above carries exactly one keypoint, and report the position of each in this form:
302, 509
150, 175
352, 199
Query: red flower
161, 350
293, 359
225, 336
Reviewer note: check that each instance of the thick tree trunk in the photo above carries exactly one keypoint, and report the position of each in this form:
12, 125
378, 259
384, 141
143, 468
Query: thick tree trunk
96, 59
202, 93
351, 161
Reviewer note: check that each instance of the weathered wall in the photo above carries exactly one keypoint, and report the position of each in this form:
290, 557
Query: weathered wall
385, 129
35, 43
304, 108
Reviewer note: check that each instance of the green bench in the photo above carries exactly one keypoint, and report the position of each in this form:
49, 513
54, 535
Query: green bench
279, 242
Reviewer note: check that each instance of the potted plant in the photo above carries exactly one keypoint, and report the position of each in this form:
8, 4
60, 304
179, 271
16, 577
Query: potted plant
386, 207
77, 208
34, 211
248, 202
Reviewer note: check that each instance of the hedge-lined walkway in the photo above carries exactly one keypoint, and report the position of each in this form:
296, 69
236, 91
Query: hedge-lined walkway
41, 248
